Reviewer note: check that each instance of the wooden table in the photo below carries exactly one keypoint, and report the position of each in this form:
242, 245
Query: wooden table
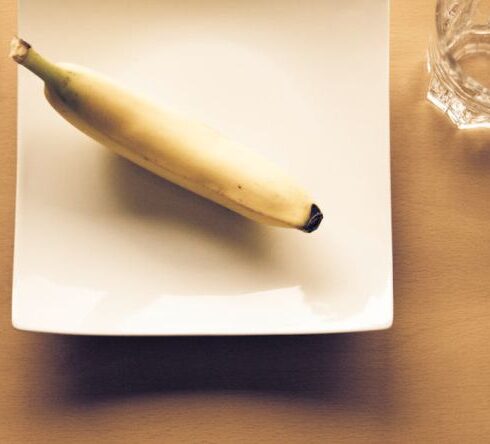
425, 380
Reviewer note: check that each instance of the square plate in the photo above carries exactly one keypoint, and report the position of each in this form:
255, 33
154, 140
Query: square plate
103, 247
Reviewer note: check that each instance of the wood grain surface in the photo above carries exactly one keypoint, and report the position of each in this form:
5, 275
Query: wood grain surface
425, 380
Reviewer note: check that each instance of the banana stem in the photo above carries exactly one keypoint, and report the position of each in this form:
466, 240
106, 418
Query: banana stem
22, 53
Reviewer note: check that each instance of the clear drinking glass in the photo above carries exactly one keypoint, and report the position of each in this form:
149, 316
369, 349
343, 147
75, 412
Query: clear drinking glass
459, 62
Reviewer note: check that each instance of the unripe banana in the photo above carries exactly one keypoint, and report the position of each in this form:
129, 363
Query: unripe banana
180, 150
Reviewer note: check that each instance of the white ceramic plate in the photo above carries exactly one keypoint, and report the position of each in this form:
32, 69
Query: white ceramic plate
103, 247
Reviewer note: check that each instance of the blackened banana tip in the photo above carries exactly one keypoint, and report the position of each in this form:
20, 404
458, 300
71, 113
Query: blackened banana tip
316, 217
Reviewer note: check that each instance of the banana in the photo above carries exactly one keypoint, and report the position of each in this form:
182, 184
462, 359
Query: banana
178, 149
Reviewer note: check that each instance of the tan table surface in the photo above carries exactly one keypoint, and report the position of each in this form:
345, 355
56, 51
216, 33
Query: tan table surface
427, 379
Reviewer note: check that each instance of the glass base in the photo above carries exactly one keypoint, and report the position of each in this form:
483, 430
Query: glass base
449, 103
